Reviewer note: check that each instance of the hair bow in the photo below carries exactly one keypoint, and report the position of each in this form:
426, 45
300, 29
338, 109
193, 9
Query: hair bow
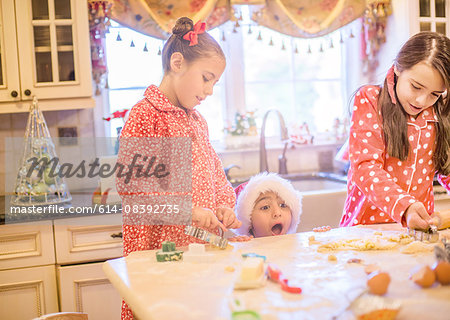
191, 36
390, 78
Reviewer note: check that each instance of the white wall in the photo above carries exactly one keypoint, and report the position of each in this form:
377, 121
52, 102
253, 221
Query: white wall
399, 28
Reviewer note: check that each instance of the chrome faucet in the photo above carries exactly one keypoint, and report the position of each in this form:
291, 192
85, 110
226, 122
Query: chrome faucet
263, 167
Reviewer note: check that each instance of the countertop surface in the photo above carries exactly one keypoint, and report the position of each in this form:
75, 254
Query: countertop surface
189, 290
80, 206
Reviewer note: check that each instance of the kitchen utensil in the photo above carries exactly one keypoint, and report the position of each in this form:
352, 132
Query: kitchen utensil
443, 254
430, 235
206, 236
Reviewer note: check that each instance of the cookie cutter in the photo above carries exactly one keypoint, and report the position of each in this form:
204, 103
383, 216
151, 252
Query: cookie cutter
206, 236
442, 254
430, 235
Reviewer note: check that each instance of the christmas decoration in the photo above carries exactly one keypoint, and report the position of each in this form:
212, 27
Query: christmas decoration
300, 134
244, 125
38, 181
243, 133
118, 114
99, 22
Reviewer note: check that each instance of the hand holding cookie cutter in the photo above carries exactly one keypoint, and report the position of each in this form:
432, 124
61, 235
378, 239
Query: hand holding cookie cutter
206, 236
430, 235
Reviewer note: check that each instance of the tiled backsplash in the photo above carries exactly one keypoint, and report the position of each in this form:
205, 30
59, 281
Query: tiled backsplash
304, 158
14, 125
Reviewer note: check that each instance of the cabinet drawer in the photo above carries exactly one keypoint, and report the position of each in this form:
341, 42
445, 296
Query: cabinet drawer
88, 239
26, 245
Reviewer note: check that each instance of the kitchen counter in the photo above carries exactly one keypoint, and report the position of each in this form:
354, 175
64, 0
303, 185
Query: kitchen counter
80, 206
182, 290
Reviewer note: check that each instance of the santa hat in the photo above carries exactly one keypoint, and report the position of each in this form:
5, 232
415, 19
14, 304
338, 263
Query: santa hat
248, 193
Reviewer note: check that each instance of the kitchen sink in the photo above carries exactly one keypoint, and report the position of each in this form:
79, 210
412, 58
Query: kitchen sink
323, 198
316, 185
317, 181
311, 181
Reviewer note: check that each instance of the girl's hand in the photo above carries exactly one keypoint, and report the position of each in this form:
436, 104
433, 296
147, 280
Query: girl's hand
417, 217
228, 218
205, 218
240, 238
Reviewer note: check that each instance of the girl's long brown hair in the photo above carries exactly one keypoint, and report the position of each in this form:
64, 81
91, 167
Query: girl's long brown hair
434, 48
207, 46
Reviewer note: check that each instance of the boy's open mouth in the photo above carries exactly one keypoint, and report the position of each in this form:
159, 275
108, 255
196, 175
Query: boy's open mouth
277, 229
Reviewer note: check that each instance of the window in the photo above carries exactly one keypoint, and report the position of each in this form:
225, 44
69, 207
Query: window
303, 78
305, 87
133, 67
433, 16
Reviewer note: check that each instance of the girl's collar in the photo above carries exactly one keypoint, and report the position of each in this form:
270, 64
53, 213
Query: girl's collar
424, 117
160, 102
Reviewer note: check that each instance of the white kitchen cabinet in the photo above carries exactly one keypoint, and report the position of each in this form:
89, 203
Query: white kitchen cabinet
26, 244
88, 238
44, 260
85, 288
27, 293
27, 276
430, 15
45, 52
408, 18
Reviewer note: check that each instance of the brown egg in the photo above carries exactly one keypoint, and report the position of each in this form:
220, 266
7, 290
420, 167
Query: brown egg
442, 271
424, 277
378, 282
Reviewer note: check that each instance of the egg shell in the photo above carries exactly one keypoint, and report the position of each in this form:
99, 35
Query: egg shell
424, 277
442, 271
378, 282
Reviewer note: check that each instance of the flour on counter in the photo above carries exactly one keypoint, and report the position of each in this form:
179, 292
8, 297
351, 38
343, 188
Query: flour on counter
376, 241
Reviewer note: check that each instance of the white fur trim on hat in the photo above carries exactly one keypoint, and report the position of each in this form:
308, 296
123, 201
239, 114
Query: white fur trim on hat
261, 183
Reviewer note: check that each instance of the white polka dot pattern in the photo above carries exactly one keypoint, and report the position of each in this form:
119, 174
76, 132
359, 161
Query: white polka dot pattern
388, 185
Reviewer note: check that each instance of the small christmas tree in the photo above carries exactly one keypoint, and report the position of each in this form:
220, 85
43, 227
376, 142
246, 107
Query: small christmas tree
38, 182
244, 125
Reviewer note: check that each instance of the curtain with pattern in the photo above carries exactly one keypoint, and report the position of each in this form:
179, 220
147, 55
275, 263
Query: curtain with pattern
297, 18
157, 17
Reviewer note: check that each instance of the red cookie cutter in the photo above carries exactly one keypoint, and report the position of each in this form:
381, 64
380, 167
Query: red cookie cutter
276, 276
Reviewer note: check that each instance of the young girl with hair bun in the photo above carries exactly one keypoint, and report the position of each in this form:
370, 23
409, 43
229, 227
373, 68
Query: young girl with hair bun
193, 62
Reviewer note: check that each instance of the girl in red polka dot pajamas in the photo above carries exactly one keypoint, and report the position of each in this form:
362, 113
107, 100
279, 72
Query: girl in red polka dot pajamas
193, 63
400, 138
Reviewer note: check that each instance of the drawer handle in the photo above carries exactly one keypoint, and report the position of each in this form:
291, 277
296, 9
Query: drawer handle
14, 94
117, 235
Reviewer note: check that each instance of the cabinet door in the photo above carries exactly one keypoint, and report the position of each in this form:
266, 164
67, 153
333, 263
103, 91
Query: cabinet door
9, 66
85, 288
28, 293
54, 51
26, 244
431, 15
